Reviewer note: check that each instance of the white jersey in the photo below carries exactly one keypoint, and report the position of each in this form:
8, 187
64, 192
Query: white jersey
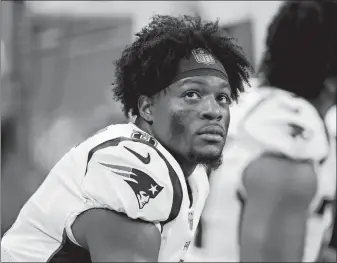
266, 120
330, 120
120, 168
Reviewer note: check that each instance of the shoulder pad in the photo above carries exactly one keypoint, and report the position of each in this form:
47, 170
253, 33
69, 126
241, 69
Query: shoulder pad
130, 175
283, 123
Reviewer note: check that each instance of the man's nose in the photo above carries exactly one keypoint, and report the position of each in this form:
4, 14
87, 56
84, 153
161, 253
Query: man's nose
211, 109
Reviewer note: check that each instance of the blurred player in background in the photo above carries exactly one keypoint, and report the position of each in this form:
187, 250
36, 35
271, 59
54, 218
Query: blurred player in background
271, 199
135, 192
3, 59
7, 122
328, 251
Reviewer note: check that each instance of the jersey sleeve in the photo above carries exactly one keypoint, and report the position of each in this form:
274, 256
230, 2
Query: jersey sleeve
129, 177
288, 126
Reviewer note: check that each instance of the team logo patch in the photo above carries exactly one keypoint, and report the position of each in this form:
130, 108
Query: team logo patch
144, 137
143, 185
297, 131
202, 56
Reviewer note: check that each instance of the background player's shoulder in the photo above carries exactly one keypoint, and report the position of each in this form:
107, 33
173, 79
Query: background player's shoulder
330, 120
284, 123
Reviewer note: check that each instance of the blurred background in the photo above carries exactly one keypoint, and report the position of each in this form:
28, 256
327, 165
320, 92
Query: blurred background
57, 68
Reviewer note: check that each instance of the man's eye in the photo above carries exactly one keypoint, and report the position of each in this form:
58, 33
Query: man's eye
191, 95
224, 99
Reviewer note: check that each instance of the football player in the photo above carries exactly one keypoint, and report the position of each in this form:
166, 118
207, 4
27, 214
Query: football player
328, 251
134, 192
331, 121
271, 199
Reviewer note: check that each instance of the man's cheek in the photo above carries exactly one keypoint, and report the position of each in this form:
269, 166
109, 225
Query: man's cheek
181, 122
177, 125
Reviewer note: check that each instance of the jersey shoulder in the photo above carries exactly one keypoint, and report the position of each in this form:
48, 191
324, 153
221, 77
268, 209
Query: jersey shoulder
330, 120
130, 172
282, 123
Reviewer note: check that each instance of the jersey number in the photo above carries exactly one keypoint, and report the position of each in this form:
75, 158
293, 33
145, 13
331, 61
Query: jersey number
242, 203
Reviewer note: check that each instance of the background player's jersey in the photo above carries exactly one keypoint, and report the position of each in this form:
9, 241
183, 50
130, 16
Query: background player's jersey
330, 120
266, 120
120, 168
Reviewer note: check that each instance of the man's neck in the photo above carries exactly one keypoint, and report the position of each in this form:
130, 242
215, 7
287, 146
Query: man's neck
323, 103
185, 166
144, 126
187, 170
327, 97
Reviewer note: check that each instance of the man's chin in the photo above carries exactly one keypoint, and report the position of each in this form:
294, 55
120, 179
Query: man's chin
211, 165
211, 161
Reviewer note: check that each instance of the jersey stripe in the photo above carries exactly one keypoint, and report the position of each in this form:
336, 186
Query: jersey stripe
177, 188
69, 252
56, 252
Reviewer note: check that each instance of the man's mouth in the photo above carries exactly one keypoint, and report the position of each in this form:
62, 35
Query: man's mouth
211, 137
212, 129
212, 133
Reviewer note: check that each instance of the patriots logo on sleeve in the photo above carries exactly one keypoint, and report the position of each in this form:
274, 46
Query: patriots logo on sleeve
298, 131
143, 185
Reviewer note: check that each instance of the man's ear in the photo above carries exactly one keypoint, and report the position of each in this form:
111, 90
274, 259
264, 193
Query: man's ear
145, 108
331, 85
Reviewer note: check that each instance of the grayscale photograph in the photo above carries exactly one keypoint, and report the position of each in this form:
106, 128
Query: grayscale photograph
168, 131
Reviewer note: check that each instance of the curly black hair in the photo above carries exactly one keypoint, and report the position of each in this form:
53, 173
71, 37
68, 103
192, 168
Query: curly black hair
301, 47
150, 63
329, 8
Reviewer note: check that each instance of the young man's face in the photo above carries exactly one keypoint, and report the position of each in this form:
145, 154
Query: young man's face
191, 118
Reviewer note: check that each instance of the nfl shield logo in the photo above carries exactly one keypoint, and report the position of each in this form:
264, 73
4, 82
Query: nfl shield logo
202, 56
